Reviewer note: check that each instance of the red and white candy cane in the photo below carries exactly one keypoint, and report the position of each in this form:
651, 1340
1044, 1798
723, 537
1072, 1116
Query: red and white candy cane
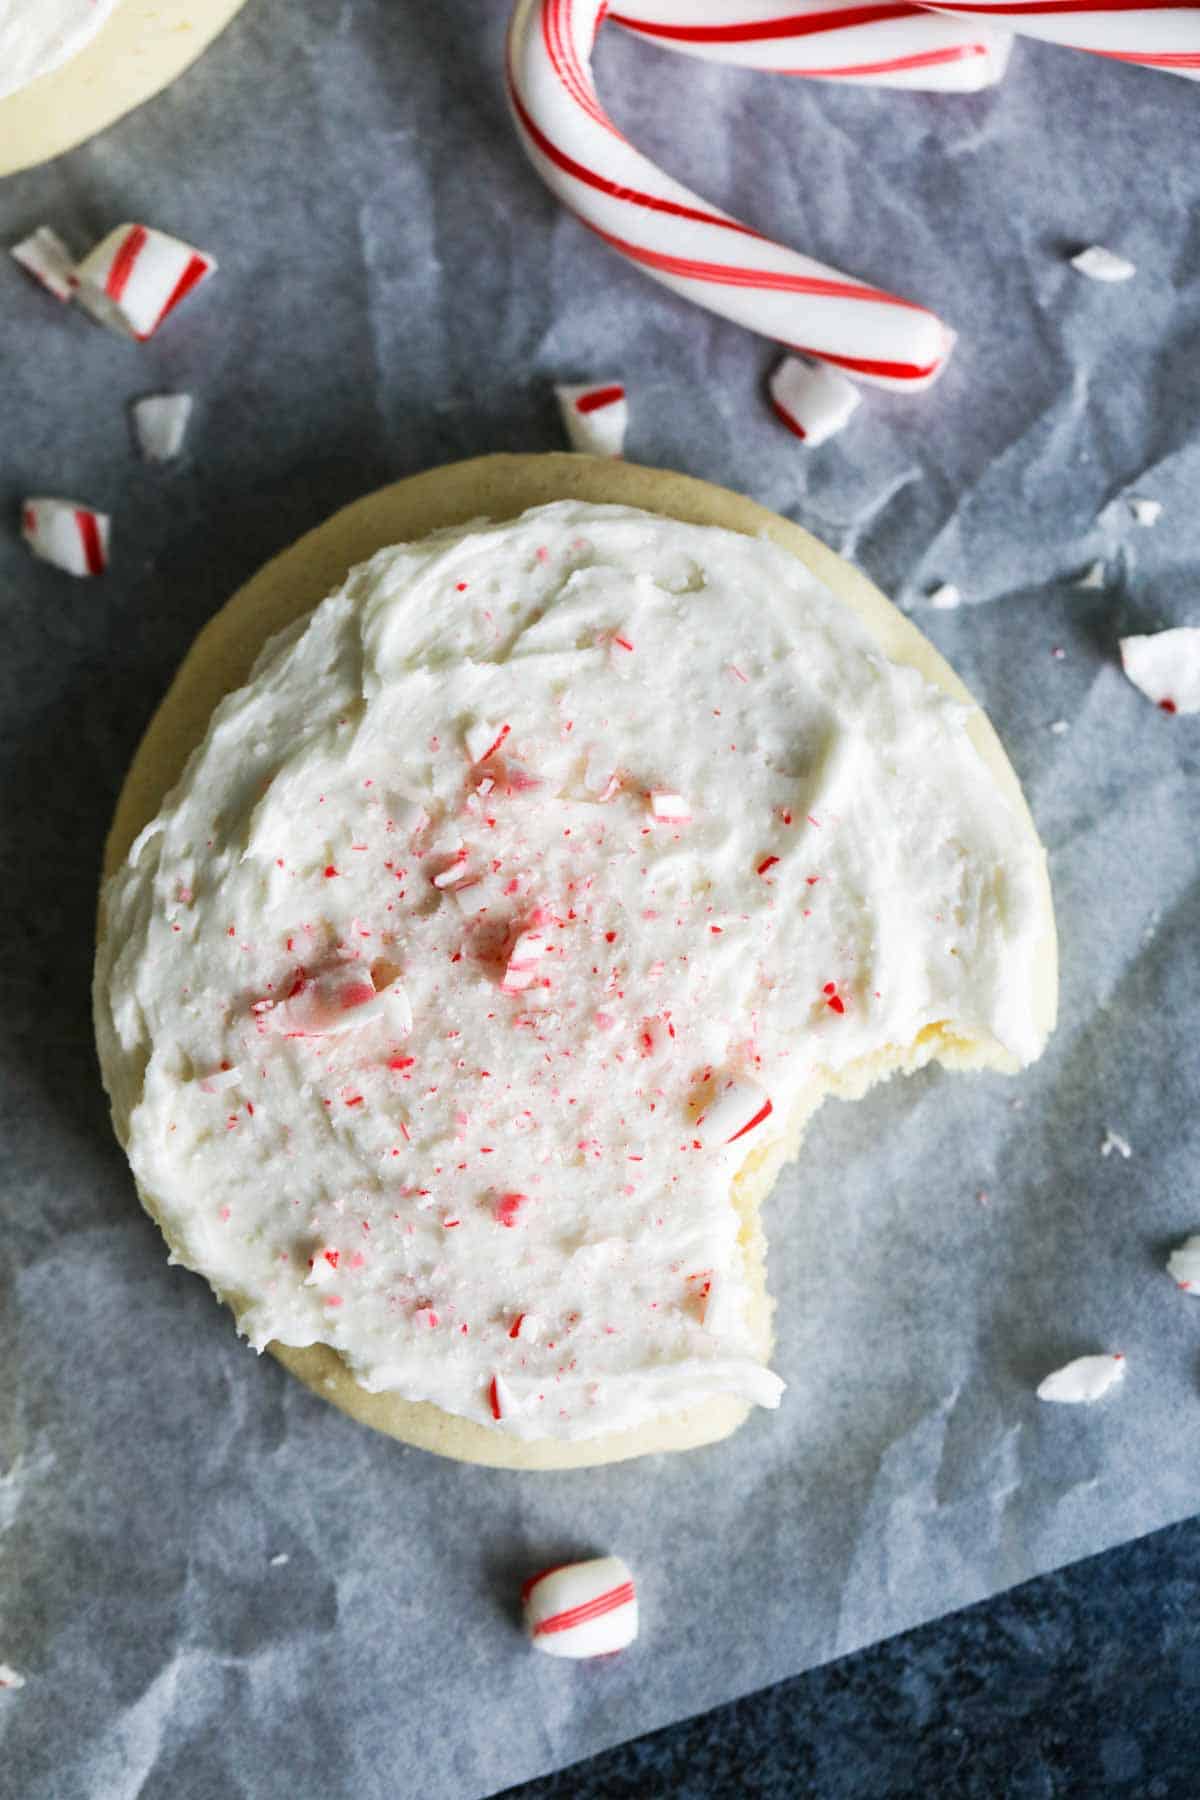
1163, 36
677, 238
582, 1609
883, 43
136, 276
72, 537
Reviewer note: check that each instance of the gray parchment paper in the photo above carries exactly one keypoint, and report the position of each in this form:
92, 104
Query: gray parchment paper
396, 289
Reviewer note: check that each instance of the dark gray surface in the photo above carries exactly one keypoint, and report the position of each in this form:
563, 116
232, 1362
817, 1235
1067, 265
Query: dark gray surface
396, 290
1080, 1684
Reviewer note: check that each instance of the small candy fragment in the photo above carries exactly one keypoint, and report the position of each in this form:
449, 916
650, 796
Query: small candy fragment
1145, 511
1184, 1265
483, 740
324, 1267
507, 1208
945, 598
738, 1107
811, 399
502, 1402
341, 999
1081, 1382
669, 809
582, 1609
44, 256
160, 422
1099, 264
1092, 580
1165, 665
1114, 1141
9, 1678
595, 417
72, 537
136, 276
523, 961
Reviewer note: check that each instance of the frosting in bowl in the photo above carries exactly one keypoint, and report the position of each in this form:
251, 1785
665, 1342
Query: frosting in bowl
39, 35
523, 874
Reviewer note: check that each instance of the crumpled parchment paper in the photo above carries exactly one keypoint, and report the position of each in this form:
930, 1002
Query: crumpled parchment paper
213, 1583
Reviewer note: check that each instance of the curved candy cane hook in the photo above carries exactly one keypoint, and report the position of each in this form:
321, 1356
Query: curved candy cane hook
677, 238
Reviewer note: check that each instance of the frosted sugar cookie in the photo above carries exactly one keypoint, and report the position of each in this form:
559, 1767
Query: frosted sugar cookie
465, 978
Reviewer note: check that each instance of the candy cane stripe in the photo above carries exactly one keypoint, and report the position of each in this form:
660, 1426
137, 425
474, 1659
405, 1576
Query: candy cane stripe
599, 397
1163, 36
192, 276
89, 536
590, 1609
892, 43
123, 262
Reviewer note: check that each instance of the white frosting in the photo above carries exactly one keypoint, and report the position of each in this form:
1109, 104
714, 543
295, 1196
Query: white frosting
37, 35
722, 846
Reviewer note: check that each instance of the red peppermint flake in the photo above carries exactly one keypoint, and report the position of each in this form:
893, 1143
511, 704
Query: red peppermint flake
768, 862
506, 1209
330, 872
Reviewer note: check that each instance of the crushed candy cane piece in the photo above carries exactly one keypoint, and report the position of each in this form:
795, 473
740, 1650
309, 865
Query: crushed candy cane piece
1165, 665
526, 1328
280, 1560
1183, 1265
523, 961
507, 1208
160, 422
595, 417
1092, 579
323, 1267
737, 1107
44, 256
1060, 728
72, 537
1081, 1382
340, 999
811, 399
483, 740
946, 597
1114, 1141
669, 809
582, 1609
1099, 264
9, 1678
502, 1402
136, 276
1145, 511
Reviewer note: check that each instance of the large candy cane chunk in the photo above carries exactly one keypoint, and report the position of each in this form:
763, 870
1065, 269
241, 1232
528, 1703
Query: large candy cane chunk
1161, 37
136, 276
62, 532
681, 241
1083, 1381
883, 44
582, 1609
813, 401
595, 417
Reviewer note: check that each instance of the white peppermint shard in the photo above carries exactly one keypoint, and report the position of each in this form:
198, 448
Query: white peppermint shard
44, 256
595, 417
1165, 665
160, 422
1092, 580
945, 598
1183, 1265
1099, 264
1145, 511
1083, 1381
811, 399
9, 1678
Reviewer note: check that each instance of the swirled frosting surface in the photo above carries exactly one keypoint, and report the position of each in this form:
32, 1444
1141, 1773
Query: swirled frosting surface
530, 881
